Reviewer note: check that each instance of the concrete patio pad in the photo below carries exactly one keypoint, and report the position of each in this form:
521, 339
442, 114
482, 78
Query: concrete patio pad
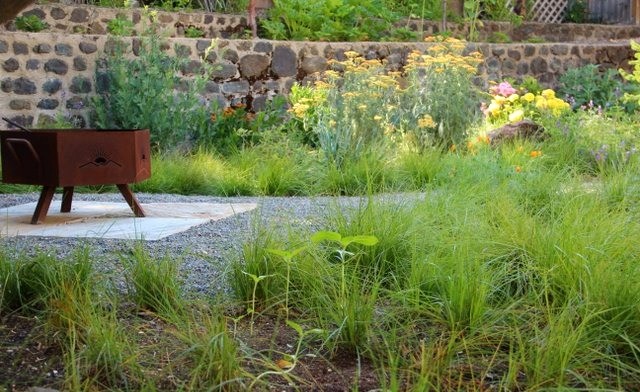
115, 220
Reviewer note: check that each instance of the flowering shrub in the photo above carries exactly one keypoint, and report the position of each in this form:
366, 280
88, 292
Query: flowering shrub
360, 104
507, 105
440, 101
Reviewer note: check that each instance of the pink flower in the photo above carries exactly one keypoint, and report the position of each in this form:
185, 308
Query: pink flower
505, 89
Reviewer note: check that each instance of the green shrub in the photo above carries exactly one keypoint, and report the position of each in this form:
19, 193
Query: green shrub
589, 87
120, 26
144, 92
577, 11
30, 23
349, 20
193, 32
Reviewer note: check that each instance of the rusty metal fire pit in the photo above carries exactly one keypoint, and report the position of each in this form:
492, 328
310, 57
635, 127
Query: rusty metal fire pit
73, 157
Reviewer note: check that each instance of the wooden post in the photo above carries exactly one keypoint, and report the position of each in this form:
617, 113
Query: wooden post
10, 8
253, 8
635, 11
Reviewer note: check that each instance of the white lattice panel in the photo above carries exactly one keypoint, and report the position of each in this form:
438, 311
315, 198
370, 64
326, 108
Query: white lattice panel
549, 11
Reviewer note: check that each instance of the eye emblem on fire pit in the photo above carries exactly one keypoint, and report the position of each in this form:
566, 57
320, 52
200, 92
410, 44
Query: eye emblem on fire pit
99, 158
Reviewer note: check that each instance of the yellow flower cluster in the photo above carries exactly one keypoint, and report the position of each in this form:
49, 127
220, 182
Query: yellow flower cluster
316, 96
445, 54
426, 121
517, 107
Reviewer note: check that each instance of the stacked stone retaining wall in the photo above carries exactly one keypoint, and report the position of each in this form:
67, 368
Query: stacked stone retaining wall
44, 75
50, 74
76, 19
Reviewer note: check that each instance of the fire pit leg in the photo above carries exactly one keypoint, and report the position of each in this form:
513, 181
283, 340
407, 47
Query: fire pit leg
43, 204
131, 200
67, 197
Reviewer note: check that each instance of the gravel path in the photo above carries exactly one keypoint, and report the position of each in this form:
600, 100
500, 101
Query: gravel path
205, 250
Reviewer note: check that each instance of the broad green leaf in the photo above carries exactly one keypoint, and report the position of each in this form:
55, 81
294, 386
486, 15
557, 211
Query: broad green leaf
326, 236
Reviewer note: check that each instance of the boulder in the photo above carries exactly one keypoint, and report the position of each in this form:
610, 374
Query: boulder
525, 129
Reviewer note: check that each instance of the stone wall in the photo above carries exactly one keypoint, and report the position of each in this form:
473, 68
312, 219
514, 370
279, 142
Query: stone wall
93, 20
44, 75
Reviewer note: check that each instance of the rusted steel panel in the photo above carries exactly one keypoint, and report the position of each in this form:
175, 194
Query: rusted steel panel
73, 157
10, 8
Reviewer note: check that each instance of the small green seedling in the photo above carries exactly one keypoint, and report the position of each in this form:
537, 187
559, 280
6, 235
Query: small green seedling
287, 256
256, 280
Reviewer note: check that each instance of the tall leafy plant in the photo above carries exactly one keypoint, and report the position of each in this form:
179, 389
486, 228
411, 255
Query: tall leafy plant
145, 92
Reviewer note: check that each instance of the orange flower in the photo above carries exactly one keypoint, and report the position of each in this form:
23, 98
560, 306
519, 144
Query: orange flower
228, 111
483, 139
535, 153
518, 169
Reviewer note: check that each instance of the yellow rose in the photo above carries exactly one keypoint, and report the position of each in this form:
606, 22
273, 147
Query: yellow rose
513, 97
517, 115
493, 108
548, 93
529, 97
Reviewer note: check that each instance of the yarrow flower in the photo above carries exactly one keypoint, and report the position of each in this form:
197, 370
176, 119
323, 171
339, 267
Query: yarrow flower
426, 122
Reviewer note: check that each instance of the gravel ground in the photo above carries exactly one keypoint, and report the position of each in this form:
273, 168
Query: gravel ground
205, 250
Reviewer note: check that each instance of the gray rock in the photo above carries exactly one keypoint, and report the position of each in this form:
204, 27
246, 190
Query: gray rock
192, 67
202, 45
52, 86
48, 104
559, 50
312, 64
231, 55
225, 71
80, 85
33, 64
58, 13
36, 12
87, 47
514, 54
20, 48
236, 87
254, 65
6, 85
11, 65
263, 47
42, 48
182, 50
4, 48
285, 61
79, 15
79, 64
24, 86
539, 66
76, 103
19, 104
63, 50
212, 88
525, 129
259, 102
56, 66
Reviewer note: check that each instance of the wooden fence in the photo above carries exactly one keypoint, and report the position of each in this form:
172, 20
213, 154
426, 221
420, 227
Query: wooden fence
598, 11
